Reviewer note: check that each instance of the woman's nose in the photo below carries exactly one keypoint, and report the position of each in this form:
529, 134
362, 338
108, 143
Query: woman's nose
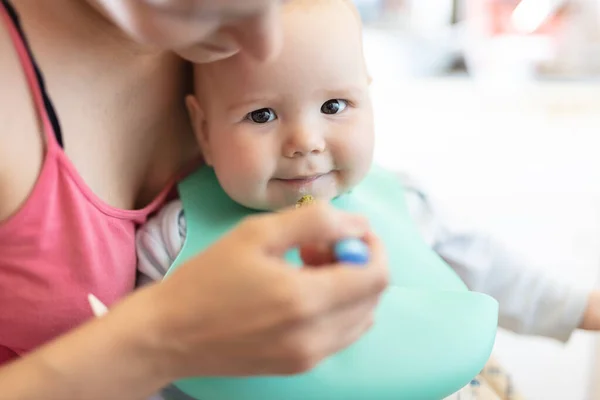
261, 36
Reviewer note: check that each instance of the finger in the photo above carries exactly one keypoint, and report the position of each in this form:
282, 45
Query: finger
316, 255
377, 252
308, 342
338, 285
339, 330
318, 223
350, 336
322, 254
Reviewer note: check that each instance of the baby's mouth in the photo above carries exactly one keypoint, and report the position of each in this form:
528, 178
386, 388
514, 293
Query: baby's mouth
308, 178
302, 180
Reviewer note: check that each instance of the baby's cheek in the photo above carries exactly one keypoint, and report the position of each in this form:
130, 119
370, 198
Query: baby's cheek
235, 186
355, 157
353, 150
243, 181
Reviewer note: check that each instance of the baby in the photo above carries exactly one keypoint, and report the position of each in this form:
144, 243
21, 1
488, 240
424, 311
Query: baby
303, 124
272, 132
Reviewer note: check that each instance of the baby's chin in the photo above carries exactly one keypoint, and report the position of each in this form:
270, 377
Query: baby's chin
277, 194
281, 204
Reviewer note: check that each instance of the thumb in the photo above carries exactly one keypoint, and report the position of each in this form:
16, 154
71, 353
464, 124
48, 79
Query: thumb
318, 223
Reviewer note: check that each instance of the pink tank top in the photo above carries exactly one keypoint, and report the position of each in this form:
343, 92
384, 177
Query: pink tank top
62, 244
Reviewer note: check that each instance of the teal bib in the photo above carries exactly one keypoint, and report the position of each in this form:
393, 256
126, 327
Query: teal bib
431, 335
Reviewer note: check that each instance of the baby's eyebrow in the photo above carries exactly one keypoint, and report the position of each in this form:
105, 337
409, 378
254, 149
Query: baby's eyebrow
349, 90
246, 103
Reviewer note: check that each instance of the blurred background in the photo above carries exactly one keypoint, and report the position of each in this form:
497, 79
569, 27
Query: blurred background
494, 105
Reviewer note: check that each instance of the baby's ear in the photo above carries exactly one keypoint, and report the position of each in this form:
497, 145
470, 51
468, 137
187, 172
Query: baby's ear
198, 121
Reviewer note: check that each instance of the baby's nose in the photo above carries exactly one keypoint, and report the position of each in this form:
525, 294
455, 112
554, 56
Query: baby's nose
303, 143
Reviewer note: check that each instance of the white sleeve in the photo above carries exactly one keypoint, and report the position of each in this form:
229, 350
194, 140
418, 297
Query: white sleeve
159, 241
531, 302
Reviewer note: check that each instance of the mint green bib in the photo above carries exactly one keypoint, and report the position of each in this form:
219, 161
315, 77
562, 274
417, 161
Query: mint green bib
431, 334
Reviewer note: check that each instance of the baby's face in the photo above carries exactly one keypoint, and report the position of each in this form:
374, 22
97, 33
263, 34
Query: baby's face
300, 124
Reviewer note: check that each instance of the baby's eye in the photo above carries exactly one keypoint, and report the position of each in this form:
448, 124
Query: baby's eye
334, 106
261, 116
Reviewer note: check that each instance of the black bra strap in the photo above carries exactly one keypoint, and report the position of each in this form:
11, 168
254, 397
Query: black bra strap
47, 102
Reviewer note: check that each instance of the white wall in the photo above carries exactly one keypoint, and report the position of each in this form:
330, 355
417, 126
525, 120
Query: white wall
523, 163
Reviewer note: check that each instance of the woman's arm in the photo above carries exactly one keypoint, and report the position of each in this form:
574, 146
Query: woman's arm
116, 357
228, 313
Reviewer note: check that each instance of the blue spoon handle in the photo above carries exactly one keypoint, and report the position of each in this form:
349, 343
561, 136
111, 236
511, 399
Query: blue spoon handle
351, 251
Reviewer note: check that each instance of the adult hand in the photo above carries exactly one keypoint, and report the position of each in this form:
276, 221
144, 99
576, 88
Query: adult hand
239, 309
235, 309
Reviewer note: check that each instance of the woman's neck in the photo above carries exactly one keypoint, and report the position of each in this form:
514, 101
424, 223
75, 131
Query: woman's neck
133, 94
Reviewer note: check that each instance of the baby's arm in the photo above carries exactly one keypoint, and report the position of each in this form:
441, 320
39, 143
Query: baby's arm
531, 301
159, 241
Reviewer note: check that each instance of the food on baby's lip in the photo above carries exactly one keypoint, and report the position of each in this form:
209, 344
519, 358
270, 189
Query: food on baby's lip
305, 200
